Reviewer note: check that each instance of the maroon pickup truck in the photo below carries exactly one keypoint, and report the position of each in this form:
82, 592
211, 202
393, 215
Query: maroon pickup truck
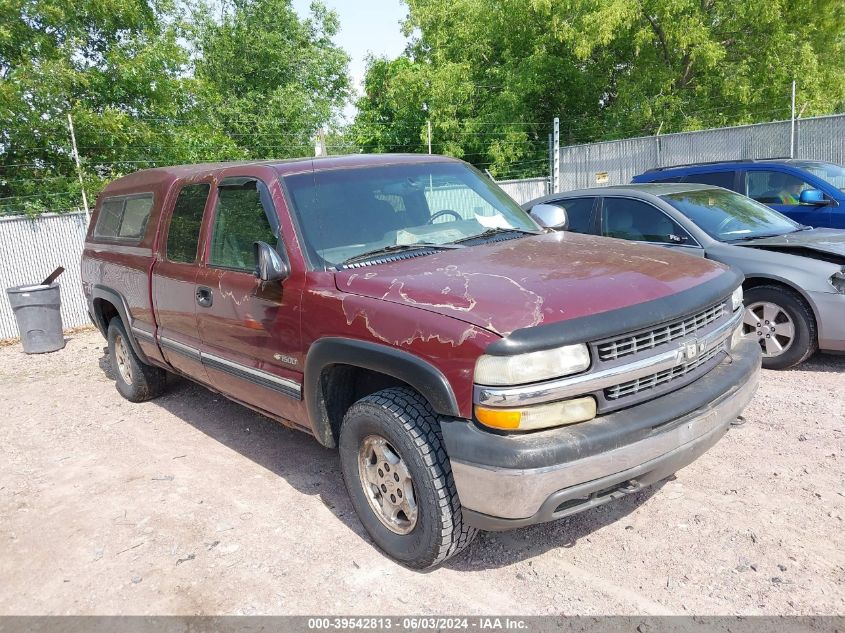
474, 370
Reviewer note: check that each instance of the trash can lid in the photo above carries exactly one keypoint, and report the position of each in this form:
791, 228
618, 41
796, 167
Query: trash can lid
31, 288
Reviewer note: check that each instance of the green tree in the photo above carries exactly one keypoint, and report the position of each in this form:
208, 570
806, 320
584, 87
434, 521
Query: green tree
149, 83
114, 66
491, 75
269, 80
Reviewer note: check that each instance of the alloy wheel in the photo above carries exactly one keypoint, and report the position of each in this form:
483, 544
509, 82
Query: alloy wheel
770, 325
121, 356
387, 484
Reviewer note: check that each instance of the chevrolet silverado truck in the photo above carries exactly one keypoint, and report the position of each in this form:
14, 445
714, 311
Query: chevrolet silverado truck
474, 369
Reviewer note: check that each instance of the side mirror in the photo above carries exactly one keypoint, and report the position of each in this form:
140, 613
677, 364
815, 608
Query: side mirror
269, 264
813, 197
550, 216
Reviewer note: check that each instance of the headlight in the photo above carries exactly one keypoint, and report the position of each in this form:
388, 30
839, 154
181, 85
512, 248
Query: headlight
736, 298
531, 367
540, 416
837, 280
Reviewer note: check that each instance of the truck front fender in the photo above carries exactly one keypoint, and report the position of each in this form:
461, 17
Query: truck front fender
401, 365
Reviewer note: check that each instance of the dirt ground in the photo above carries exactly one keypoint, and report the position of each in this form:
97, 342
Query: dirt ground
191, 504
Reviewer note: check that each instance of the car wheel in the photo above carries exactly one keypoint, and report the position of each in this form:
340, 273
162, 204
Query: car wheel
399, 478
782, 323
135, 380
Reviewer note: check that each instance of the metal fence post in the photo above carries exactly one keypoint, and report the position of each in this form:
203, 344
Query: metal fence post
657, 142
792, 124
556, 156
78, 167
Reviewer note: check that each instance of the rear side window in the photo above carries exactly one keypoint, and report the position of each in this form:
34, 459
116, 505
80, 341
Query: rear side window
124, 219
716, 178
579, 213
664, 179
185, 223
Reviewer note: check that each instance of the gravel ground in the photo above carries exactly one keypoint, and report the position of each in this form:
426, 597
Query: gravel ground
191, 504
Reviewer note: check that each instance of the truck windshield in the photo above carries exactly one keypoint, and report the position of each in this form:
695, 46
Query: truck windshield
727, 216
346, 213
830, 173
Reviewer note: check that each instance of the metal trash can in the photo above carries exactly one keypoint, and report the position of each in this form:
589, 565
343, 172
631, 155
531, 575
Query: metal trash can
37, 310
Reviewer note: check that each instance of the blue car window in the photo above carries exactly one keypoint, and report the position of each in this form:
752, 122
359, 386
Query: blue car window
716, 178
829, 172
775, 187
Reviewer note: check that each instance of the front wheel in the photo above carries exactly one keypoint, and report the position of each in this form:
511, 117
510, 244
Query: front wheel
400, 480
782, 323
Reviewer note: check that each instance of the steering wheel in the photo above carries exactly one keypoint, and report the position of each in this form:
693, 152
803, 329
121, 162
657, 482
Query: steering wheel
440, 214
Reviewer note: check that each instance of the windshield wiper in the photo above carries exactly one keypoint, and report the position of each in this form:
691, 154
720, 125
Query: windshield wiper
494, 231
747, 238
395, 248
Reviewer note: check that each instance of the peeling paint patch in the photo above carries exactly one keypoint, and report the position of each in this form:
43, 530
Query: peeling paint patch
396, 331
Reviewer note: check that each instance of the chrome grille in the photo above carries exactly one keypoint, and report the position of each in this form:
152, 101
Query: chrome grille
654, 380
632, 344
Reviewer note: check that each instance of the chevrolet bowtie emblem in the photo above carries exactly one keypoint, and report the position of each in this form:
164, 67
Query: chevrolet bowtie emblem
690, 350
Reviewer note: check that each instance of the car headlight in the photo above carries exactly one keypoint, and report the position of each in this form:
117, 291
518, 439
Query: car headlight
736, 298
532, 366
541, 416
837, 280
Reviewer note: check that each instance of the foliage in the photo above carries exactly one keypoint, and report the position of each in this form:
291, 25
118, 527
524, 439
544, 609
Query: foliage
149, 84
269, 80
491, 75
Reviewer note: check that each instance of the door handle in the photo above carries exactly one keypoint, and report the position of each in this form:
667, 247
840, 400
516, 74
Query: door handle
204, 297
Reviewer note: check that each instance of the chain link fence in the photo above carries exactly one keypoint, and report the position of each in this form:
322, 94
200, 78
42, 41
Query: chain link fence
32, 248
617, 162
525, 189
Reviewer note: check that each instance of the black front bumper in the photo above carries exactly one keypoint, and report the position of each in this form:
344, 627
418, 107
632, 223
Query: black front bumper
507, 481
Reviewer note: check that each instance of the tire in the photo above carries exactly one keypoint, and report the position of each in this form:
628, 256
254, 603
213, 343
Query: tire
135, 380
792, 306
404, 420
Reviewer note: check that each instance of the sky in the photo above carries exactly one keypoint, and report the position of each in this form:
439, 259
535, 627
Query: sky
366, 26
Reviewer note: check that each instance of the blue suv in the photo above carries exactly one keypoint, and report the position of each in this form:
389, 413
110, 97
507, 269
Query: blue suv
808, 191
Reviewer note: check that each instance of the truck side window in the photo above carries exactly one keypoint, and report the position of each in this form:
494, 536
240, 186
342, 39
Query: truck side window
108, 222
185, 223
240, 220
124, 219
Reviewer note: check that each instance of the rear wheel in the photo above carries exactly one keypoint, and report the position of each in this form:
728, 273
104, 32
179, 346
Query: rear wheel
400, 480
782, 323
135, 380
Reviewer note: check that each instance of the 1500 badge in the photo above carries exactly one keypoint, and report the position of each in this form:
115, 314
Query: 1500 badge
282, 358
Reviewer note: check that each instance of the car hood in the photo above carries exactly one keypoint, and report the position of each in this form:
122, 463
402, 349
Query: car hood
823, 241
508, 285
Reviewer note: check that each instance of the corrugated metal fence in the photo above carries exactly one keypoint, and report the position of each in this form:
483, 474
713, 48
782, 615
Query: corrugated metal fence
616, 162
525, 190
30, 249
